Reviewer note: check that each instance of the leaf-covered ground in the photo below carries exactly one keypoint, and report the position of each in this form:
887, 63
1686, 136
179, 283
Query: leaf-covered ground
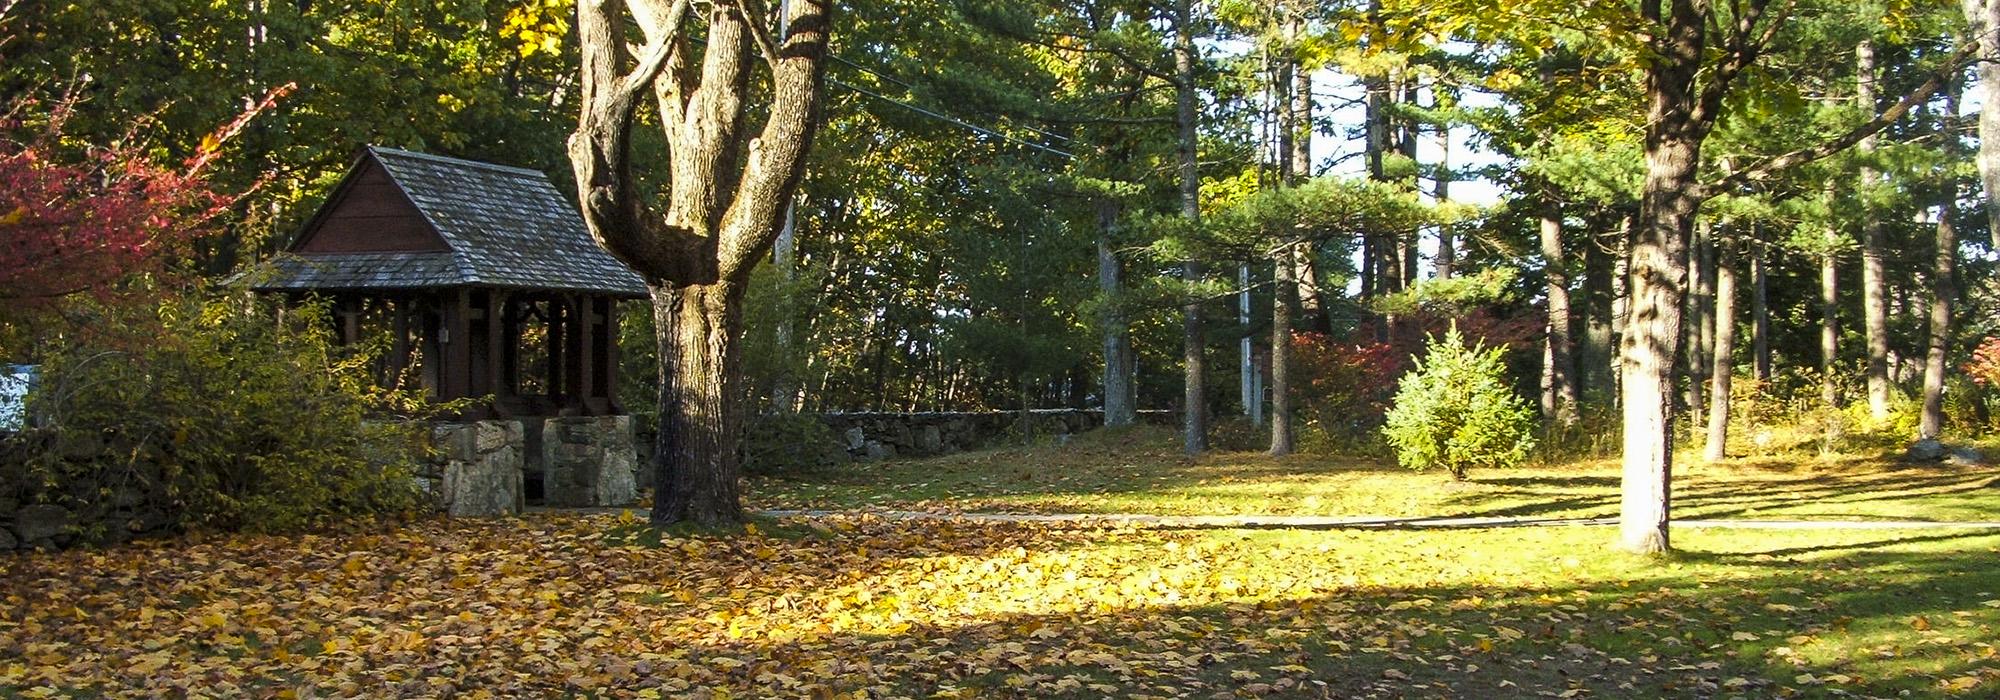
586, 606
1141, 471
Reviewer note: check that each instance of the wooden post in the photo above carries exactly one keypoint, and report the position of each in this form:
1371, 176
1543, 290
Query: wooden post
496, 343
510, 349
455, 337
586, 352
610, 369
558, 322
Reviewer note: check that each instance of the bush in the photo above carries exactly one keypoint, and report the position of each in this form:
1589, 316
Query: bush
252, 418
1343, 388
1455, 410
790, 445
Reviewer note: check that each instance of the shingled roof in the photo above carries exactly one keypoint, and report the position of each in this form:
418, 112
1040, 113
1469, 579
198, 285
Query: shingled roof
402, 220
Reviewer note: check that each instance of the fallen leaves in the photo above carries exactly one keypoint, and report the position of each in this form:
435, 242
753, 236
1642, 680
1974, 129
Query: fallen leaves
862, 607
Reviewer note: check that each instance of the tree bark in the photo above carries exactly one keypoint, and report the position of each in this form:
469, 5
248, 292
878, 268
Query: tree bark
1699, 324
1447, 250
1829, 325
1119, 409
1281, 354
1874, 282
1984, 17
696, 464
1194, 421
1594, 349
722, 209
1715, 448
1944, 288
1559, 404
1760, 309
1678, 120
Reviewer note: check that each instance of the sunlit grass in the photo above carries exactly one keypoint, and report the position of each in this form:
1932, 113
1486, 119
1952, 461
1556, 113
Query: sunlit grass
1139, 471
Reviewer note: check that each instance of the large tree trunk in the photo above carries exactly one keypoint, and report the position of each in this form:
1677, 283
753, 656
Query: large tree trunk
695, 461
1984, 16
1717, 445
1677, 121
1119, 409
724, 206
1559, 401
1194, 339
1874, 283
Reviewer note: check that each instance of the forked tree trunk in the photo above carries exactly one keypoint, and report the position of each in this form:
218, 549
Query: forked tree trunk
724, 205
1943, 265
701, 415
1715, 448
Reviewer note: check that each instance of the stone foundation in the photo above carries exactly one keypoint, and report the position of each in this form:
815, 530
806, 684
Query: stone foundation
589, 462
483, 467
479, 467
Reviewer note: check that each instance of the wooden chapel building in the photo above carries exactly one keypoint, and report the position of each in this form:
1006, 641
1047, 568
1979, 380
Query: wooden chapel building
482, 276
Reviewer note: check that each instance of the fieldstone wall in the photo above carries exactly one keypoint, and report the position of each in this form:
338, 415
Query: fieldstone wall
873, 435
589, 462
477, 467
101, 505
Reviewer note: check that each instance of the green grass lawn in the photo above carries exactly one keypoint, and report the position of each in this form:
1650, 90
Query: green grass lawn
1140, 471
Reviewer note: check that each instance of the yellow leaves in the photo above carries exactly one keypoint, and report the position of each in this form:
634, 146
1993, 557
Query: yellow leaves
1744, 636
1920, 623
1960, 684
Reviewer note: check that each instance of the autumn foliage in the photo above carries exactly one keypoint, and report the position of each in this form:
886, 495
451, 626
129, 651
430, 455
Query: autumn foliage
76, 220
1984, 367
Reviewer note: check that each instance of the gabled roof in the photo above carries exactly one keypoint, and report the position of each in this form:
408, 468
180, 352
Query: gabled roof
498, 226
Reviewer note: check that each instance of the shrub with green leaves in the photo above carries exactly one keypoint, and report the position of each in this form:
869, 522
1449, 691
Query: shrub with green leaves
1455, 410
251, 417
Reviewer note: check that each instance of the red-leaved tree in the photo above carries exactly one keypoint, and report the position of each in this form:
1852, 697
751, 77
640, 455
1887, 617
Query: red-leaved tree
80, 220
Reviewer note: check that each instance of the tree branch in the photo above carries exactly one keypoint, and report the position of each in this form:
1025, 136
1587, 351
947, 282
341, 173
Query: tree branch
1774, 165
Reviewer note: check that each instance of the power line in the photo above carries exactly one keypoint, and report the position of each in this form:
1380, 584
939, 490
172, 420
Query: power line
907, 85
975, 128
